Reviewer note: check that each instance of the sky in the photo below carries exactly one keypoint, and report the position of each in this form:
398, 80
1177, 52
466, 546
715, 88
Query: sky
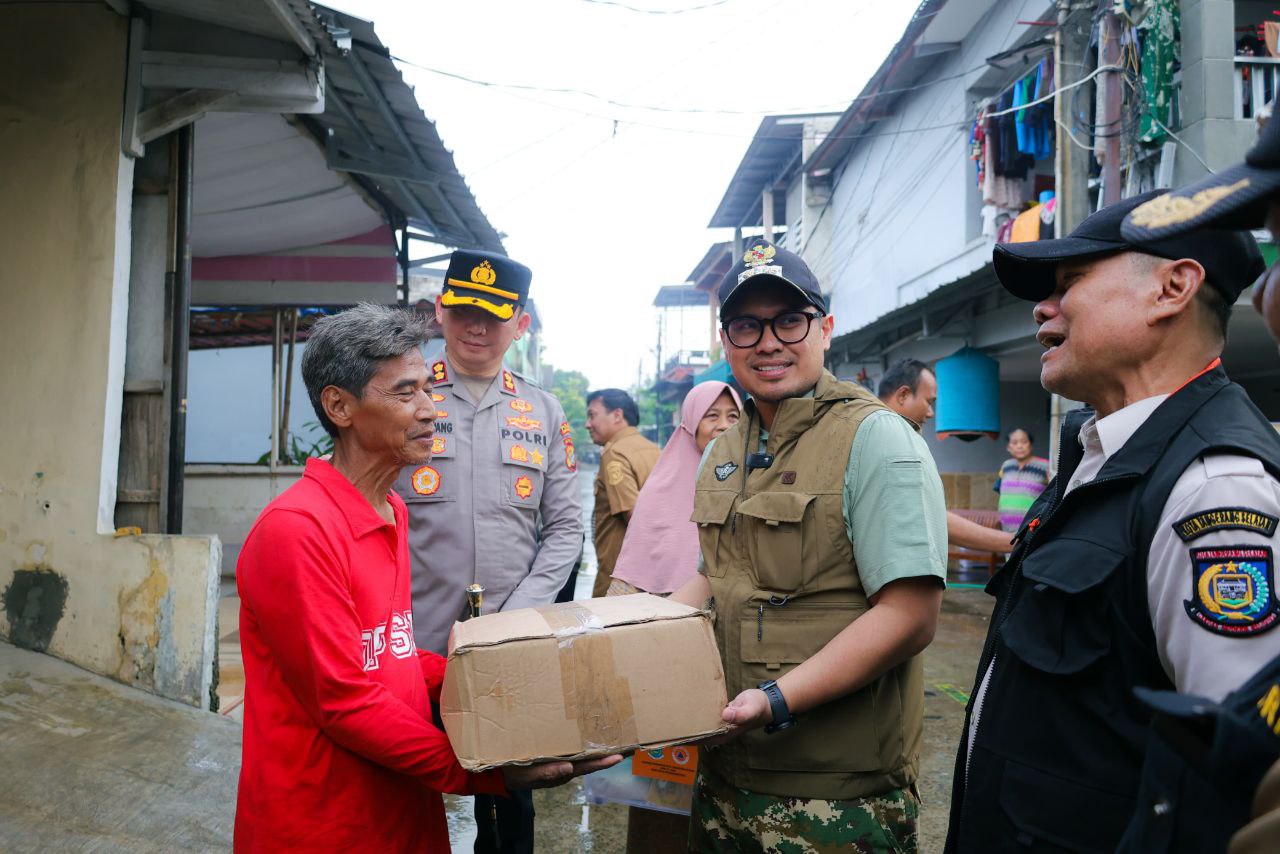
606, 203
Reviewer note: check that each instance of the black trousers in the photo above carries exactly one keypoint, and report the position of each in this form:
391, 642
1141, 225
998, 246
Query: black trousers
505, 825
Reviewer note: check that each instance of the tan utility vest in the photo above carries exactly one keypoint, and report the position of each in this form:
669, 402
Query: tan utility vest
785, 582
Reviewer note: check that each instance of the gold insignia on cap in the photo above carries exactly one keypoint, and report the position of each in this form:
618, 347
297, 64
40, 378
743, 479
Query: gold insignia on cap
1173, 210
483, 274
761, 253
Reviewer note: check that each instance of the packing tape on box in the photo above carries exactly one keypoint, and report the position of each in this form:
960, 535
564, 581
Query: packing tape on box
587, 669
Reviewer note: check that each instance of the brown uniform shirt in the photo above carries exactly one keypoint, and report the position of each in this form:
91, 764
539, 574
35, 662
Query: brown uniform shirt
625, 464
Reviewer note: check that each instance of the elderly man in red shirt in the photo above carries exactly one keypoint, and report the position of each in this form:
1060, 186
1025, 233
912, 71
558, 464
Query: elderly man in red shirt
340, 752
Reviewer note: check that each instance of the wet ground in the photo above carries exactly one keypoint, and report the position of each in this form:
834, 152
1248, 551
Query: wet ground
89, 765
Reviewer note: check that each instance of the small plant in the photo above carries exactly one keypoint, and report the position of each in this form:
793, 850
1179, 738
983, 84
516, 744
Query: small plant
295, 451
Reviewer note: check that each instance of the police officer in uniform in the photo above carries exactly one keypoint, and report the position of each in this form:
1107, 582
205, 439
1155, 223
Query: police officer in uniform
1204, 758
823, 536
498, 504
1146, 562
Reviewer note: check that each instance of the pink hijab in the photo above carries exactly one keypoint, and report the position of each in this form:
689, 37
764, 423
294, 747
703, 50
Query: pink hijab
660, 551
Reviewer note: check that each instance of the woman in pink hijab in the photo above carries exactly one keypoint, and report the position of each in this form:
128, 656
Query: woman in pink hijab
660, 552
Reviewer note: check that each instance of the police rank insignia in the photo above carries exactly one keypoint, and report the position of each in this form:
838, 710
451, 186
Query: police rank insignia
426, 481
439, 372
1223, 519
523, 422
508, 382
723, 471
524, 487
1231, 590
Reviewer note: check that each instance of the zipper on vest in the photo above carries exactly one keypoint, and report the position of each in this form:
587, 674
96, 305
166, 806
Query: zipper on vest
733, 523
760, 624
988, 653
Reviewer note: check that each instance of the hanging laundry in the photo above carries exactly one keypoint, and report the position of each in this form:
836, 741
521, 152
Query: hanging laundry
1010, 161
1161, 59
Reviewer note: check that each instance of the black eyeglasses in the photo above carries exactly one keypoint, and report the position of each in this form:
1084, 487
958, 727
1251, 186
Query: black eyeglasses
790, 327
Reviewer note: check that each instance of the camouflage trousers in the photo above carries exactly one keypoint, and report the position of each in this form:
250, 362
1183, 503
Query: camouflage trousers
728, 819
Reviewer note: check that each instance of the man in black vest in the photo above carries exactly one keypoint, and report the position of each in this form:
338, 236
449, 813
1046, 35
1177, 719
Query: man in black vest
1147, 562
1212, 767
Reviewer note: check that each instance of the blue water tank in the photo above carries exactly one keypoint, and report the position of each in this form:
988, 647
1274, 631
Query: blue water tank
968, 395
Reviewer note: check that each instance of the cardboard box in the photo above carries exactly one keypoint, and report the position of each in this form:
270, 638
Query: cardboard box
581, 679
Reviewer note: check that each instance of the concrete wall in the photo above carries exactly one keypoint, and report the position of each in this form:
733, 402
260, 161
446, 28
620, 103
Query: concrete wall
225, 500
902, 207
138, 609
1209, 125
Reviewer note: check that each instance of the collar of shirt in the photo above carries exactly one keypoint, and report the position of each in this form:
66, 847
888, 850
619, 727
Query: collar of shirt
1111, 432
358, 511
620, 435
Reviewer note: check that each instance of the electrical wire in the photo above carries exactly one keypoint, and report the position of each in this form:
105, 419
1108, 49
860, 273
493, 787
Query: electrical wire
1184, 144
637, 9
566, 90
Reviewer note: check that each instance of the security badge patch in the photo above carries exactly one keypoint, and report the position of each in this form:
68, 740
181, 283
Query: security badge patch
426, 481
1224, 519
723, 471
1231, 590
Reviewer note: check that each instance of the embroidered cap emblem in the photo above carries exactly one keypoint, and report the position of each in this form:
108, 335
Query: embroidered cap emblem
426, 481
1171, 210
761, 253
1231, 590
483, 274
723, 471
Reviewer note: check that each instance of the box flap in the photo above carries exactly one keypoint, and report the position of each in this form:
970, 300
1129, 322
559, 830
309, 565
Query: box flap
566, 619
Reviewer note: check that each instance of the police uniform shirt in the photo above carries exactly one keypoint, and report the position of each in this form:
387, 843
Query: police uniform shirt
498, 503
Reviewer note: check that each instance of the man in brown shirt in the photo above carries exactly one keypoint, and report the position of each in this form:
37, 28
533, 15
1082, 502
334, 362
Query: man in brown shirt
625, 464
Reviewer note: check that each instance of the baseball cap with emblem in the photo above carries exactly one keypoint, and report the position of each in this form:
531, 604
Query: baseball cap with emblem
763, 259
1231, 259
1236, 197
486, 280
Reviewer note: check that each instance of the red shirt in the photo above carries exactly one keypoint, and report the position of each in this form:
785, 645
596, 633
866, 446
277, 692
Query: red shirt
339, 749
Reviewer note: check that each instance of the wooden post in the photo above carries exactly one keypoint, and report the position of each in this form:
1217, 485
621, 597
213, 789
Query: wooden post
288, 382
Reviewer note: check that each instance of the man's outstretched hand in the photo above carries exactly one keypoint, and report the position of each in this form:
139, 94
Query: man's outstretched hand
545, 775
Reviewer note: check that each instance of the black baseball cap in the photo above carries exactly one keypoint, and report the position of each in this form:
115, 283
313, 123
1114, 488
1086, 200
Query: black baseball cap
1231, 259
487, 280
764, 259
1236, 197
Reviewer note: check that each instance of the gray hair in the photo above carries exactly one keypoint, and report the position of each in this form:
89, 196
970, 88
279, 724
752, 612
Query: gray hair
345, 348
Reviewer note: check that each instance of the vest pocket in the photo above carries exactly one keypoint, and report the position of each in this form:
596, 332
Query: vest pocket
780, 560
841, 736
1045, 808
711, 515
428, 483
1062, 622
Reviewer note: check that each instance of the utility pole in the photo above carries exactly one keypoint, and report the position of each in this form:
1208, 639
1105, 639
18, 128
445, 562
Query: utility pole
1071, 161
1112, 106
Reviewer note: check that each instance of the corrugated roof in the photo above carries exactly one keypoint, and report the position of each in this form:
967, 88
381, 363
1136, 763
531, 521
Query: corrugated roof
374, 128
777, 142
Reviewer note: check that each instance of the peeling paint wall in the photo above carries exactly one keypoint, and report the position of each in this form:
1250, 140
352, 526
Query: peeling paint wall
139, 609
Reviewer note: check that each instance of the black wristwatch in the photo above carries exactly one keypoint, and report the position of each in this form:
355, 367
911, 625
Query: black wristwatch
782, 717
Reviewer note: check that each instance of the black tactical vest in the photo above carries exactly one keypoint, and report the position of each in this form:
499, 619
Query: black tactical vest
1059, 745
1203, 763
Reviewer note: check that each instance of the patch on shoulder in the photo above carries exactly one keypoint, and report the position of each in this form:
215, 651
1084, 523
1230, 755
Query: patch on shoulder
616, 472
1225, 519
1231, 590
723, 471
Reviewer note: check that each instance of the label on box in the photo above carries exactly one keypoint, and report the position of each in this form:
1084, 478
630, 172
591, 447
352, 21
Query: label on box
679, 764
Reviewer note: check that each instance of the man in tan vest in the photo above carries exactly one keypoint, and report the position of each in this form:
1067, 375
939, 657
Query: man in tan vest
824, 541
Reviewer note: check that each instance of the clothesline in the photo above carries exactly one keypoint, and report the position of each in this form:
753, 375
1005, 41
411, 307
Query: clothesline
1058, 91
